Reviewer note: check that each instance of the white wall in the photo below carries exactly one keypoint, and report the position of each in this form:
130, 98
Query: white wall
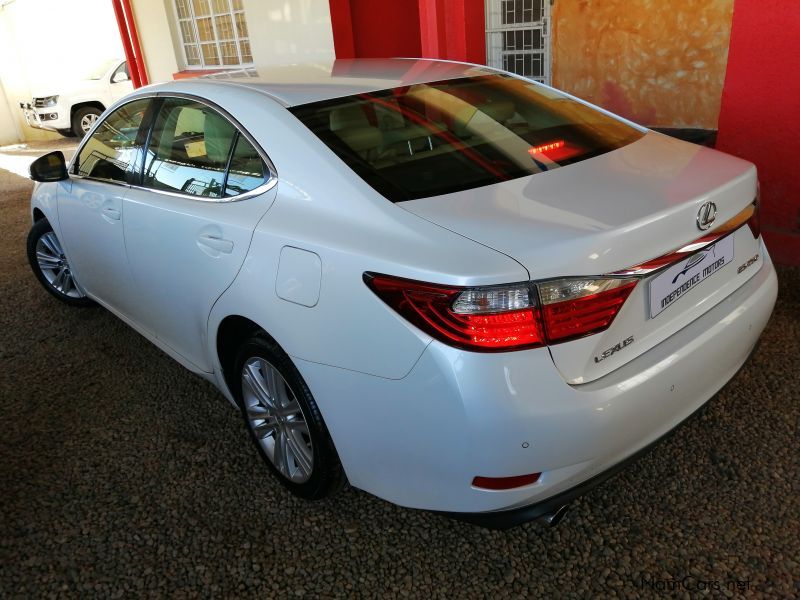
281, 31
155, 24
43, 42
288, 31
9, 129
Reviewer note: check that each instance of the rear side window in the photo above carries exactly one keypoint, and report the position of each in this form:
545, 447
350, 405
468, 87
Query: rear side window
247, 170
111, 152
441, 137
189, 149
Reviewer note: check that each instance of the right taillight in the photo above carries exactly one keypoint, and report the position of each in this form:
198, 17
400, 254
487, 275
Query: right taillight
506, 317
573, 308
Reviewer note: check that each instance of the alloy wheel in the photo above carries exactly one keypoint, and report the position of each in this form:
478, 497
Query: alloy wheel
87, 121
55, 267
277, 420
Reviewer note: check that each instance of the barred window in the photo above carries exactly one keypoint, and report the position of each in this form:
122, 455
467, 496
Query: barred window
213, 33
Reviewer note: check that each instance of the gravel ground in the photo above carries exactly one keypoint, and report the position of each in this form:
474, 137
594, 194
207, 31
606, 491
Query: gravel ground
122, 473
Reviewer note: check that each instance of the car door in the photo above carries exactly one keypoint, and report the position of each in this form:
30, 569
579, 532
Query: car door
188, 226
90, 205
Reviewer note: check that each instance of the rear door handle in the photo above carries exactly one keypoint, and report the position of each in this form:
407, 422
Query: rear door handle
112, 214
215, 243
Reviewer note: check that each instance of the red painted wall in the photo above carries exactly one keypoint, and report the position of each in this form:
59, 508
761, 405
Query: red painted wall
375, 29
450, 29
385, 29
760, 115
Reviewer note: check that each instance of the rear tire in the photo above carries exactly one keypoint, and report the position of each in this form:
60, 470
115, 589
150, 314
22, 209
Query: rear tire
284, 421
51, 266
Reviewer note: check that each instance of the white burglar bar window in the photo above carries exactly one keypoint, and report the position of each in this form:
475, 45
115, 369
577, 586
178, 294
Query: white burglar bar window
213, 33
517, 37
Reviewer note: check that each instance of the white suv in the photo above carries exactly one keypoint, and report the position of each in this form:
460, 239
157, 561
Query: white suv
72, 110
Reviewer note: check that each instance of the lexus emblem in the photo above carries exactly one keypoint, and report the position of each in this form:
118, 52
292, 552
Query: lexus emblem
706, 215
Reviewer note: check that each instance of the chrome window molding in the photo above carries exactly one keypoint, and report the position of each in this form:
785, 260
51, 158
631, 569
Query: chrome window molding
272, 179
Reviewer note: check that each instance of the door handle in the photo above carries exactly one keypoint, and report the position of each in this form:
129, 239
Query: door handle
215, 243
112, 213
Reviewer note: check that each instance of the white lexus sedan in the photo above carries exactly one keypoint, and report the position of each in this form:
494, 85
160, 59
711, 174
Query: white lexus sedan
452, 287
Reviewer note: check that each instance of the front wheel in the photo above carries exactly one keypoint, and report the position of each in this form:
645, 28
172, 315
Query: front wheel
83, 119
50, 265
284, 421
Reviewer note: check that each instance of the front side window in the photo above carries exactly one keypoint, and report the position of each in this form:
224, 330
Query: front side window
121, 70
436, 138
213, 32
111, 152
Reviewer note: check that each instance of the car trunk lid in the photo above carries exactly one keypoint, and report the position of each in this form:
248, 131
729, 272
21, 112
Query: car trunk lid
606, 215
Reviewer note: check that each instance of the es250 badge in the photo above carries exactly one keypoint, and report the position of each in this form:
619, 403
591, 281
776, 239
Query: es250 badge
606, 353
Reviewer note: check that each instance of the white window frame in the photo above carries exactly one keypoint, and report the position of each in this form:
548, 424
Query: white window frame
495, 30
236, 40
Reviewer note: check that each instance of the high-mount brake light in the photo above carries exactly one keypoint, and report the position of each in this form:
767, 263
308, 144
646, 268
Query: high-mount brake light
506, 317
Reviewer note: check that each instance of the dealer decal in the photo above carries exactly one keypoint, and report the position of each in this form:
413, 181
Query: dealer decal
683, 277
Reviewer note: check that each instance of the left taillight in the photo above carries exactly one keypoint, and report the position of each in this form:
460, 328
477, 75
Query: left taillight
505, 317
487, 319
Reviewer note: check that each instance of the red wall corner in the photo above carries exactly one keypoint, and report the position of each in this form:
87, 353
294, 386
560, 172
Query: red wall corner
760, 114
370, 29
453, 30
448, 29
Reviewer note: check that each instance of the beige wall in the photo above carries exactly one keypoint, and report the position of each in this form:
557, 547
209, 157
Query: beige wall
45, 42
281, 31
658, 63
9, 129
284, 31
154, 24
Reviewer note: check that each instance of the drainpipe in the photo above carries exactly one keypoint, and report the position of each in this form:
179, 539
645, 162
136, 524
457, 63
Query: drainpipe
130, 42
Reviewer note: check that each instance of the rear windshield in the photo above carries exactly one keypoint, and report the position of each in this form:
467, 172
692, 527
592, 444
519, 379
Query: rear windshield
435, 138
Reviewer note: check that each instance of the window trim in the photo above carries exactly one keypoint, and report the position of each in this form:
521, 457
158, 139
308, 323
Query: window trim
146, 128
193, 20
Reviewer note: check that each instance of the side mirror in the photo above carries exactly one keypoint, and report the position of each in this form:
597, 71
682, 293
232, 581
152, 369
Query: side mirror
50, 167
119, 77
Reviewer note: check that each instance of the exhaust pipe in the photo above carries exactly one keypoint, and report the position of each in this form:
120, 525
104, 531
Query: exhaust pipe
553, 518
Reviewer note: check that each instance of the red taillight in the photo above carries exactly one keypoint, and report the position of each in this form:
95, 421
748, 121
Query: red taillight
469, 318
507, 317
505, 483
585, 314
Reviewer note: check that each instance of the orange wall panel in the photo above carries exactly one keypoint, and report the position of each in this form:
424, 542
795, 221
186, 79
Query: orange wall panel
658, 63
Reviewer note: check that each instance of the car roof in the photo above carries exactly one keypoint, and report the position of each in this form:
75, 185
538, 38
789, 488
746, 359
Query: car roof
292, 85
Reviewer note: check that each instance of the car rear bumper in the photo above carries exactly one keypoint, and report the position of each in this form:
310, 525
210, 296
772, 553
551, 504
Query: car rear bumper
419, 441
505, 519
